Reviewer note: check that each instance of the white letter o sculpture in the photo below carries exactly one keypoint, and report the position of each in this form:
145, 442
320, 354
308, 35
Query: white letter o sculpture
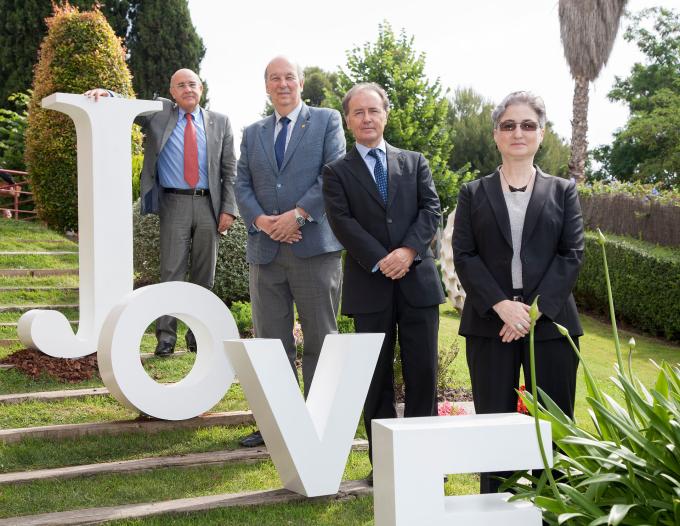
120, 365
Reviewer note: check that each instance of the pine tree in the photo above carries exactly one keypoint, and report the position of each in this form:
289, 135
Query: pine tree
162, 40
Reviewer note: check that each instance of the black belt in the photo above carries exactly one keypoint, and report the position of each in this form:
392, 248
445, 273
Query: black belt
187, 191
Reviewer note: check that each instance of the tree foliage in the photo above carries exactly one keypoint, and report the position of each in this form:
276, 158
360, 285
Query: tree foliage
418, 108
470, 123
647, 148
162, 40
12, 130
79, 51
23, 28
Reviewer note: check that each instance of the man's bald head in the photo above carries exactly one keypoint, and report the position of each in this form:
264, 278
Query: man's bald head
186, 88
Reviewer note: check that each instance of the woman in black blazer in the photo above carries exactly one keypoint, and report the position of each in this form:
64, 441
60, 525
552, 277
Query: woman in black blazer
518, 234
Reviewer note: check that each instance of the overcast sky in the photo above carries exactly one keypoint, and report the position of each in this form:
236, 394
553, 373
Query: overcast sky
493, 46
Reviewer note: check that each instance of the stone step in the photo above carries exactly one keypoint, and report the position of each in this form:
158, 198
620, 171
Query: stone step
21, 308
29, 287
16, 324
39, 253
146, 464
140, 425
38, 272
348, 489
53, 396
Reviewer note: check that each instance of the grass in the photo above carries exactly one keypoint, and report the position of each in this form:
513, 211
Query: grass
38, 245
32, 261
24, 230
40, 281
13, 316
57, 296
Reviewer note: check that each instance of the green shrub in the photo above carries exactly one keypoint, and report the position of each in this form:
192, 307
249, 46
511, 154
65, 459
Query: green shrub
345, 324
231, 273
645, 281
80, 52
626, 470
12, 132
243, 316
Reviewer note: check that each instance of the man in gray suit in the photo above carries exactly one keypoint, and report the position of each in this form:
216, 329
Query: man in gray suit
293, 255
188, 179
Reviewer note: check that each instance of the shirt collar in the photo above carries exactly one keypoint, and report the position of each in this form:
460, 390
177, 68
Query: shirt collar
363, 150
196, 113
293, 115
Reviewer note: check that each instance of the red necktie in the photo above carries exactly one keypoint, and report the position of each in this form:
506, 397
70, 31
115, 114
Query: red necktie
190, 153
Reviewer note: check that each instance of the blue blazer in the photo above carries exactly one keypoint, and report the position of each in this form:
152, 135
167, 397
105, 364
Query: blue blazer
261, 188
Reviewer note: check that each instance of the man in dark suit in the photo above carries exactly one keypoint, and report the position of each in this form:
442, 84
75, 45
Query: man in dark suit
294, 257
383, 207
188, 179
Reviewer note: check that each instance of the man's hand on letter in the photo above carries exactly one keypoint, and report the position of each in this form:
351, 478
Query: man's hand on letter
226, 220
397, 263
96, 93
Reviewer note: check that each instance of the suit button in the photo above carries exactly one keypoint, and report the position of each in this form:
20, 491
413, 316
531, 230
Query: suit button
278, 185
389, 221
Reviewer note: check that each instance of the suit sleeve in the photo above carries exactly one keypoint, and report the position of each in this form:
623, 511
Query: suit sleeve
333, 148
361, 245
480, 286
419, 235
227, 171
560, 278
248, 205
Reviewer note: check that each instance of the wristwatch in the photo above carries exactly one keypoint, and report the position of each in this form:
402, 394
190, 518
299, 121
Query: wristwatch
299, 218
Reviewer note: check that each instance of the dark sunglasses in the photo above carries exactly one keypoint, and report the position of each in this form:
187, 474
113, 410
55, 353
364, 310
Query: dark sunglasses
507, 126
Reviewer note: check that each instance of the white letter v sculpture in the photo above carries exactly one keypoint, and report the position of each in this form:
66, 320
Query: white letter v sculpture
308, 443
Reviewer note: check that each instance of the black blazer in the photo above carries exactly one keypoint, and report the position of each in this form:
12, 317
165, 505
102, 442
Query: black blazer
551, 253
369, 229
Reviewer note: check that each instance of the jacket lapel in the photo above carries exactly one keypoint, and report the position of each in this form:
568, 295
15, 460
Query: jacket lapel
267, 139
361, 172
536, 202
301, 125
395, 165
209, 124
170, 125
494, 192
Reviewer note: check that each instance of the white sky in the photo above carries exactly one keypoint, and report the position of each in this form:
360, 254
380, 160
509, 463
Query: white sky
493, 46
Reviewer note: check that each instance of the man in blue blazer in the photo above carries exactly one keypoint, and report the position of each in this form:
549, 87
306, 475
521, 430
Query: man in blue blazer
294, 257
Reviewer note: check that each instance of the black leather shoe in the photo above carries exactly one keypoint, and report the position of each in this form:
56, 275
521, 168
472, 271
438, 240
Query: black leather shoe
252, 440
190, 340
164, 349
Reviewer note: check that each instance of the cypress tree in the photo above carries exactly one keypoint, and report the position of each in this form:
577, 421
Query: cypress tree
162, 40
22, 28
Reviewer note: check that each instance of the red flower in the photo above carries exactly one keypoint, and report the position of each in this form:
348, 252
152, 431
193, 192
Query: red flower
521, 408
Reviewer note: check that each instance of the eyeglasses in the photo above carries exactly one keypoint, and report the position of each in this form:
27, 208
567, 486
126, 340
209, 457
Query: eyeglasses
508, 126
182, 85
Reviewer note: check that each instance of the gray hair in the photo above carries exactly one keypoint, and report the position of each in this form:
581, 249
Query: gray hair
300, 72
370, 86
520, 97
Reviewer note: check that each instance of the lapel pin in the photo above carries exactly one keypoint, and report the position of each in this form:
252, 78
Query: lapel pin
302, 126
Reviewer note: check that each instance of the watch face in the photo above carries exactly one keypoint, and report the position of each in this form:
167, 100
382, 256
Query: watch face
300, 220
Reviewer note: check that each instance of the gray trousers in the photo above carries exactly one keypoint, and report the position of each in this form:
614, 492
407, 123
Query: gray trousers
313, 284
188, 230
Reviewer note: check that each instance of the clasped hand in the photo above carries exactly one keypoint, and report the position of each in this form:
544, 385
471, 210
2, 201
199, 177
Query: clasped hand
516, 320
283, 228
397, 263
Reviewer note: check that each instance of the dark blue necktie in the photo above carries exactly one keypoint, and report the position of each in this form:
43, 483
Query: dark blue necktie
380, 175
280, 144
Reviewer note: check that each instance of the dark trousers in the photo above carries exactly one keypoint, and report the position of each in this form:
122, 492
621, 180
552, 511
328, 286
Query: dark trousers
494, 371
417, 329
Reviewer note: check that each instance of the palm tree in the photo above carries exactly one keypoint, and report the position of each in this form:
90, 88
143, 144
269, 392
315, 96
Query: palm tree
588, 29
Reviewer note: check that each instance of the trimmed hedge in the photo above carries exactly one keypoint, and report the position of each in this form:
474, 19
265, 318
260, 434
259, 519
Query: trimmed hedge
80, 52
645, 283
231, 273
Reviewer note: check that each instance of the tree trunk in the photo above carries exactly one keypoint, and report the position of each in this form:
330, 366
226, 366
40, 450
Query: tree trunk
579, 130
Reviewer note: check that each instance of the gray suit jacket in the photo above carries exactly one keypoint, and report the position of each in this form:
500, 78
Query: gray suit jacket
158, 126
261, 188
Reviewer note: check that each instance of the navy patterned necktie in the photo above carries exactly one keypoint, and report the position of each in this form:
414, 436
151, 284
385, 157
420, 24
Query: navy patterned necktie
380, 174
280, 143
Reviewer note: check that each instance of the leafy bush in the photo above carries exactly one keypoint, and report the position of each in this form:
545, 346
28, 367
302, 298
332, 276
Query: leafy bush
231, 273
626, 471
645, 279
80, 52
243, 316
12, 131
